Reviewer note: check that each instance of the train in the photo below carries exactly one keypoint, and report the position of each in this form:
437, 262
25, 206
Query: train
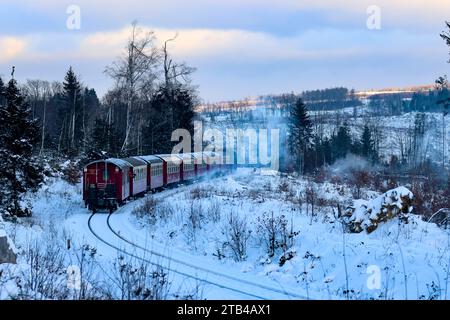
109, 183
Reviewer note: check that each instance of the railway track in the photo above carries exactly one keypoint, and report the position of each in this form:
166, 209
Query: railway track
171, 260
203, 269
168, 268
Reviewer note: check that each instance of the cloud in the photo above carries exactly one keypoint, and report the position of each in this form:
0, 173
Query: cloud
237, 45
11, 48
243, 45
228, 44
286, 17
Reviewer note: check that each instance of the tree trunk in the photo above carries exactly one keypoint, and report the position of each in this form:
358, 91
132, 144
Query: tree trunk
43, 128
72, 137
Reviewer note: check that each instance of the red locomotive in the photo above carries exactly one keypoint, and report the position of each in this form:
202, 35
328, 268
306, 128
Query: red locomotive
108, 183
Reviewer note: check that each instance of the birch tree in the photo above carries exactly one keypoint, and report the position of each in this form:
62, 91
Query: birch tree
132, 72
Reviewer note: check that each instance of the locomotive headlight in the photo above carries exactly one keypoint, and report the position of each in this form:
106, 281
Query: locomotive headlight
117, 169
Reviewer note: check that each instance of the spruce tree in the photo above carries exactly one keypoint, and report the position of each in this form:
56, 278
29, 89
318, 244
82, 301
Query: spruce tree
300, 133
169, 110
20, 172
104, 141
367, 145
2, 92
71, 113
342, 142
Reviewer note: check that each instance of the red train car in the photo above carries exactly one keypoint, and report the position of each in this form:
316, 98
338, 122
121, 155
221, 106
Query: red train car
201, 168
188, 168
172, 166
106, 183
155, 178
138, 174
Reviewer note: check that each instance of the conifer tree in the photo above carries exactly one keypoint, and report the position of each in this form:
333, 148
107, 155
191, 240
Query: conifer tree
71, 131
367, 145
2, 92
342, 142
20, 171
300, 133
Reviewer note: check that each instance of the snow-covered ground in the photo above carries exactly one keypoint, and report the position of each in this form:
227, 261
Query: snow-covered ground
189, 237
395, 133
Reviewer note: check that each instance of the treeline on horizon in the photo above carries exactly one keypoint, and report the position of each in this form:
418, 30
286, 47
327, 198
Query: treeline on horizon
386, 104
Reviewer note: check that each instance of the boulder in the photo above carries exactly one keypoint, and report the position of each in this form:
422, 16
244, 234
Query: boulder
7, 250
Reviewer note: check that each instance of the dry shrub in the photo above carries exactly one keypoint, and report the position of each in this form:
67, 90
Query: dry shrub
147, 210
200, 193
274, 233
214, 211
283, 186
237, 234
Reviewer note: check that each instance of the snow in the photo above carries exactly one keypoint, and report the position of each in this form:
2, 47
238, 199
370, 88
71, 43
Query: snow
417, 251
367, 214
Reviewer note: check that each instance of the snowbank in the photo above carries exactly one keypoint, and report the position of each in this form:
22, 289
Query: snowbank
367, 215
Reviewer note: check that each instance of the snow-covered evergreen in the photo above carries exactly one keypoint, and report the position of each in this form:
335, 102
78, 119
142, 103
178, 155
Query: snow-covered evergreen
20, 172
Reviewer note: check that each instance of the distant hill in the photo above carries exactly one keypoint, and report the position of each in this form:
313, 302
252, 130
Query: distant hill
252, 102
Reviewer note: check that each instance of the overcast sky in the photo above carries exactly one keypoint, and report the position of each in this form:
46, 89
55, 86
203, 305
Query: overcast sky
239, 47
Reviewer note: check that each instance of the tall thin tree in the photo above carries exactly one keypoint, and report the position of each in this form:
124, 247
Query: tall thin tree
300, 133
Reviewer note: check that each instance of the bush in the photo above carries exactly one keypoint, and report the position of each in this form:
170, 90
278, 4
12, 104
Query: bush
360, 179
47, 274
45, 278
195, 219
147, 210
214, 211
284, 186
165, 211
200, 193
237, 233
72, 173
274, 233
136, 280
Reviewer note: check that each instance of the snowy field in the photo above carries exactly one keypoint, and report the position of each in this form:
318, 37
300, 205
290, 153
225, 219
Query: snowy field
187, 234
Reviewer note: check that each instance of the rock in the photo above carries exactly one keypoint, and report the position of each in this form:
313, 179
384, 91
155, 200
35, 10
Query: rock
7, 250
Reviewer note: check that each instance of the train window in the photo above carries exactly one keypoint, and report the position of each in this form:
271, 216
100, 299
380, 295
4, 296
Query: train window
105, 175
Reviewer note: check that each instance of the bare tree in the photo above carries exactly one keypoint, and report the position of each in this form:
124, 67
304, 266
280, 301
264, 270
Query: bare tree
39, 92
175, 75
134, 70
46, 93
444, 100
173, 71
